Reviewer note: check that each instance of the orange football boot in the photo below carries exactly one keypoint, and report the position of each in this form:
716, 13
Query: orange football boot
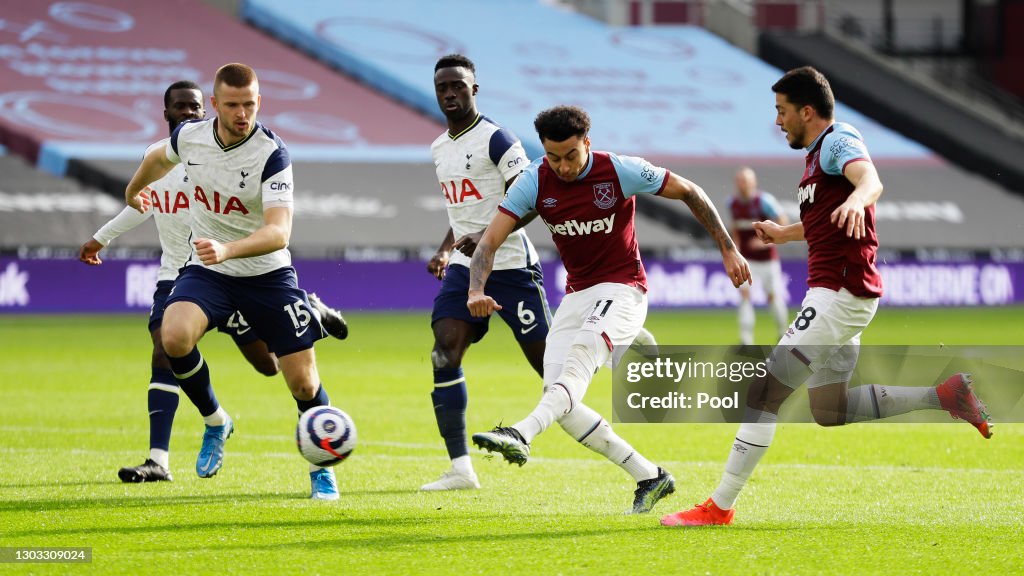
956, 396
706, 514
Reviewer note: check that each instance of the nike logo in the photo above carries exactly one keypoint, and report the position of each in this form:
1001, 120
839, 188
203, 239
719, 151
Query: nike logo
243, 330
191, 163
155, 412
299, 333
527, 330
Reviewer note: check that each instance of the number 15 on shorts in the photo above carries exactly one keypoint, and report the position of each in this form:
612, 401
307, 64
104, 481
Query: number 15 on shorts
300, 316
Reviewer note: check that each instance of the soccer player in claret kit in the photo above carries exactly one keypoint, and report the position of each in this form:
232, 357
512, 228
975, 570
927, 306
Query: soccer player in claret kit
837, 197
747, 206
476, 161
241, 216
586, 199
183, 101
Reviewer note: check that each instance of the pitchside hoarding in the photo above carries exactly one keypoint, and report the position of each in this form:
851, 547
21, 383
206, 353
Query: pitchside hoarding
32, 286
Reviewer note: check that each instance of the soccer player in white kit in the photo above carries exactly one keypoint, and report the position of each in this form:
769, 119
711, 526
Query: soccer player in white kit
476, 160
837, 195
183, 101
586, 199
241, 216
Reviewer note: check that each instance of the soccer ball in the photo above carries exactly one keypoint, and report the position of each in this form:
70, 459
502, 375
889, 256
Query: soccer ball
325, 435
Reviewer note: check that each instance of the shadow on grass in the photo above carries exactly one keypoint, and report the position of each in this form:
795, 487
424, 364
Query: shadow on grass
61, 484
150, 500
221, 527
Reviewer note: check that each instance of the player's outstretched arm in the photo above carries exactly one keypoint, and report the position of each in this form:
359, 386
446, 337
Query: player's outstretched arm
680, 188
867, 189
439, 261
771, 232
272, 236
480, 266
154, 166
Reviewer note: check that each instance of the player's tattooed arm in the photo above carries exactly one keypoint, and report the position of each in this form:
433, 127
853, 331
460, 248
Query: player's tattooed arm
679, 188
480, 304
693, 195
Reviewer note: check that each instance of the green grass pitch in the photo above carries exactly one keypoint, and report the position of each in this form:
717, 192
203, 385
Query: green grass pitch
882, 499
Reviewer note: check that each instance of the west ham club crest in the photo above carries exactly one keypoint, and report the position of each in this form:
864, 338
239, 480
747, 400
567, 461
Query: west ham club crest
604, 195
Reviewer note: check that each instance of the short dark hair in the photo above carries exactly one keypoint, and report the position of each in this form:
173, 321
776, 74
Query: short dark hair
805, 86
235, 75
455, 61
561, 123
179, 85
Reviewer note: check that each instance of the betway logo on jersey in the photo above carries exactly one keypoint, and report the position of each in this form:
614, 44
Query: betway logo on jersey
577, 228
806, 193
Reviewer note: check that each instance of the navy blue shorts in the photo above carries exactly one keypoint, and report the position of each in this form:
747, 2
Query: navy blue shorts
235, 326
274, 308
519, 292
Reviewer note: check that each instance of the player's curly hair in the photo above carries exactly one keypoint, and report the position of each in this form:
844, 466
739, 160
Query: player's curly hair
235, 75
455, 61
179, 85
561, 123
805, 86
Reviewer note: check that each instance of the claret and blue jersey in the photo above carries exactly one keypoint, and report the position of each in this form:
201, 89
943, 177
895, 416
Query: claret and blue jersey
835, 260
591, 218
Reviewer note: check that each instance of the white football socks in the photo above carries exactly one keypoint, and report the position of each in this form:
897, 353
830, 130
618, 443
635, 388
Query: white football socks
752, 441
218, 418
463, 464
875, 401
746, 318
588, 428
778, 306
161, 457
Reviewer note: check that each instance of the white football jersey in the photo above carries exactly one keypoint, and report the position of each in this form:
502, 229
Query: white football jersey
169, 208
231, 186
472, 168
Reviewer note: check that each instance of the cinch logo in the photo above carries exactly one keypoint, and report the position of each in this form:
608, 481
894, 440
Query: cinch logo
806, 193
515, 162
454, 196
220, 205
13, 286
574, 228
180, 202
280, 186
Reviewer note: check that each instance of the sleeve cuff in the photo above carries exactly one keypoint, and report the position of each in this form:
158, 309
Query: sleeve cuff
664, 183
504, 210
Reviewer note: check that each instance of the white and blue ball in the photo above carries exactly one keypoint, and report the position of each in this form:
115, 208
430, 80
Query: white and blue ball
325, 435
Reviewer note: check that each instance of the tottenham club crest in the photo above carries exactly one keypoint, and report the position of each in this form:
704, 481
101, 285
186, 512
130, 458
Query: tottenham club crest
604, 195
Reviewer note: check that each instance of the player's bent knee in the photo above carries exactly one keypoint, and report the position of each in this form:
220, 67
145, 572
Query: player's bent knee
445, 357
267, 366
176, 343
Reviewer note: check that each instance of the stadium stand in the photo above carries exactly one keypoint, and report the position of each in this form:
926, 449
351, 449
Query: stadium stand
80, 98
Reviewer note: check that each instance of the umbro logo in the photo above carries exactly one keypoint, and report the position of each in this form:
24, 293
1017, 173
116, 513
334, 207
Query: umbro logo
550, 202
